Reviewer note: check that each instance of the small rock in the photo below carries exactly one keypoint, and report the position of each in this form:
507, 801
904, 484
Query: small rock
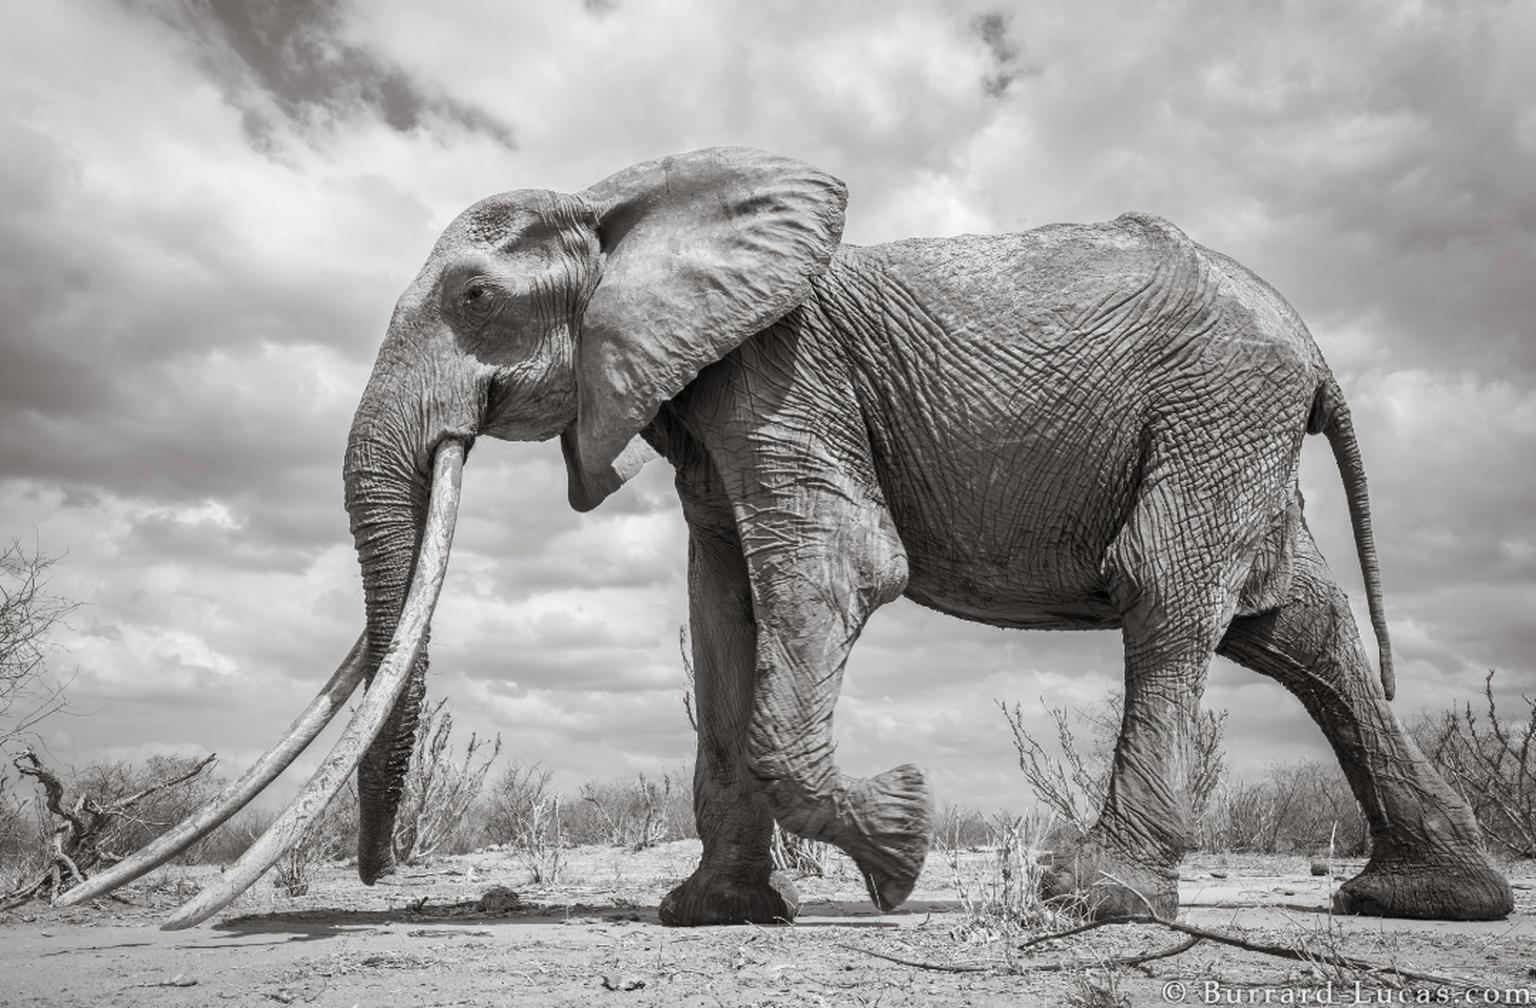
626, 983
498, 899
1218, 874
1320, 868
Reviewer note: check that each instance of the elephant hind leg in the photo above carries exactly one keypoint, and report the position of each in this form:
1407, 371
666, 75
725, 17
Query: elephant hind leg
1176, 584
1428, 859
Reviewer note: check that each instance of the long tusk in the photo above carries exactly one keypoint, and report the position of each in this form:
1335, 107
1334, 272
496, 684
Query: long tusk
388, 682
321, 710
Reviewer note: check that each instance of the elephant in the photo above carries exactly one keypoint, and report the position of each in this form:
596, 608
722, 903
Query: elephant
1080, 426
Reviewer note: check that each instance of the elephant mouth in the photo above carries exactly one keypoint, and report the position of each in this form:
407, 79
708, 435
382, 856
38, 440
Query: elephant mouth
367, 721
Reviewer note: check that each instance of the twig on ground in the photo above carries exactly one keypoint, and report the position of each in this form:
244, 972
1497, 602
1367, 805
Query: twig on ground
918, 964
1050, 967
1196, 935
1279, 951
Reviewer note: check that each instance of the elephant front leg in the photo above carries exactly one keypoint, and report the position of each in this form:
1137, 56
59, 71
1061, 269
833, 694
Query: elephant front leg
735, 882
814, 586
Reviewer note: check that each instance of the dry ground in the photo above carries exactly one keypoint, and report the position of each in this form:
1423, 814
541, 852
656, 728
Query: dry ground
593, 939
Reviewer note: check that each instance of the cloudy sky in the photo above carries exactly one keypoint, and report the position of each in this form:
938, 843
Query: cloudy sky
207, 210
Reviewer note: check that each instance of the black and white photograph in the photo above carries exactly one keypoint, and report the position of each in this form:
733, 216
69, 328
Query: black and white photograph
698, 502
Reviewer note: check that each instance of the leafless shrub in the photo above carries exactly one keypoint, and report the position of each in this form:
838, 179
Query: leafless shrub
1493, 764
1000, 890
439, 789
24, 832
799, 856
964, 828
110, 781
28, 617
1300, 806
524, 814
1074, 785
625, 813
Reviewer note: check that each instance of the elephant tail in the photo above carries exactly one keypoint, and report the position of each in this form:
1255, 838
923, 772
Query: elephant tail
1330, 417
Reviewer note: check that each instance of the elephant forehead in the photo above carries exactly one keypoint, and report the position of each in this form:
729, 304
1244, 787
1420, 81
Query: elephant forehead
514, 216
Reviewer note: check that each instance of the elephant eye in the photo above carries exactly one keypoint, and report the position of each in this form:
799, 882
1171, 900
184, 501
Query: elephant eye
473, 294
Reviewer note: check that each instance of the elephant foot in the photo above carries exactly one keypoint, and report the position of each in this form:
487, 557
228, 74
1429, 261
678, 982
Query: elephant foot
1424, 890
887, 828
715, 898
1109, 885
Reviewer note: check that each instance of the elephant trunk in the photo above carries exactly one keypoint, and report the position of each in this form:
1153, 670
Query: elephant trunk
386, 498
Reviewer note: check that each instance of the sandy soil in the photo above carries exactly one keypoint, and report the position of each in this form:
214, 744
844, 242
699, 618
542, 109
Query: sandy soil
425, 938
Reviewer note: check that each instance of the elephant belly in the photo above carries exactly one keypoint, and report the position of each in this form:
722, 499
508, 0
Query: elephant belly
1087, 612
1017, 544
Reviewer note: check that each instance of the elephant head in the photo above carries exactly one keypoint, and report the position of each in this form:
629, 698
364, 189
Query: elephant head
541, 313
536, 314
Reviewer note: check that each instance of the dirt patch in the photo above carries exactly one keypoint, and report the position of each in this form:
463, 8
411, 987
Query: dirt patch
430, 937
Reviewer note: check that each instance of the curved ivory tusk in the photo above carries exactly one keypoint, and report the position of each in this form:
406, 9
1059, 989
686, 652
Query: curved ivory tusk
321, 710
388, 682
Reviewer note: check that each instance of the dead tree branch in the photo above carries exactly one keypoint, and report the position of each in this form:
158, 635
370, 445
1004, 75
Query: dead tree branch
81, 830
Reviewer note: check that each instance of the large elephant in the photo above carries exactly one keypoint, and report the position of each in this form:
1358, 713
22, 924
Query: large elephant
1078, 427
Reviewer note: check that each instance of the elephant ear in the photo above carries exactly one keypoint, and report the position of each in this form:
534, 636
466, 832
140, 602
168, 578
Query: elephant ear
701, 251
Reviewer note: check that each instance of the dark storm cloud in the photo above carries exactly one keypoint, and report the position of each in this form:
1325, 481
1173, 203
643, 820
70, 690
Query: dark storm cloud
296, 54
992, 28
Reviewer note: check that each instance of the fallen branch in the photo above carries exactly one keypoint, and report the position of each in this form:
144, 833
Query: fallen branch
1129, 960
76, 845
1195, 936
918, 964
1263, 948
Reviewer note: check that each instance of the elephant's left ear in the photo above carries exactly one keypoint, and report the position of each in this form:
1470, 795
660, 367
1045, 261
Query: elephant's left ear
702, 250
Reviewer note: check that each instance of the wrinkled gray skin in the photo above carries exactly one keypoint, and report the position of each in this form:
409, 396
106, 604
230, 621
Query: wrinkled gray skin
1078, 427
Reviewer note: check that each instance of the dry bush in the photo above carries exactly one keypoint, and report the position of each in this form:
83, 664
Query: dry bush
24, 832
523, 814
964, 828
1302, 806
999, 885
799, 856
1492, 762
109, 781
439, 789
636, 813
28, 616
1074, 785
27, 826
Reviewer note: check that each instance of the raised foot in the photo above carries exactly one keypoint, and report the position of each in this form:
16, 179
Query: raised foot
1393, 888
1109, 885
891, 820
712, 898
